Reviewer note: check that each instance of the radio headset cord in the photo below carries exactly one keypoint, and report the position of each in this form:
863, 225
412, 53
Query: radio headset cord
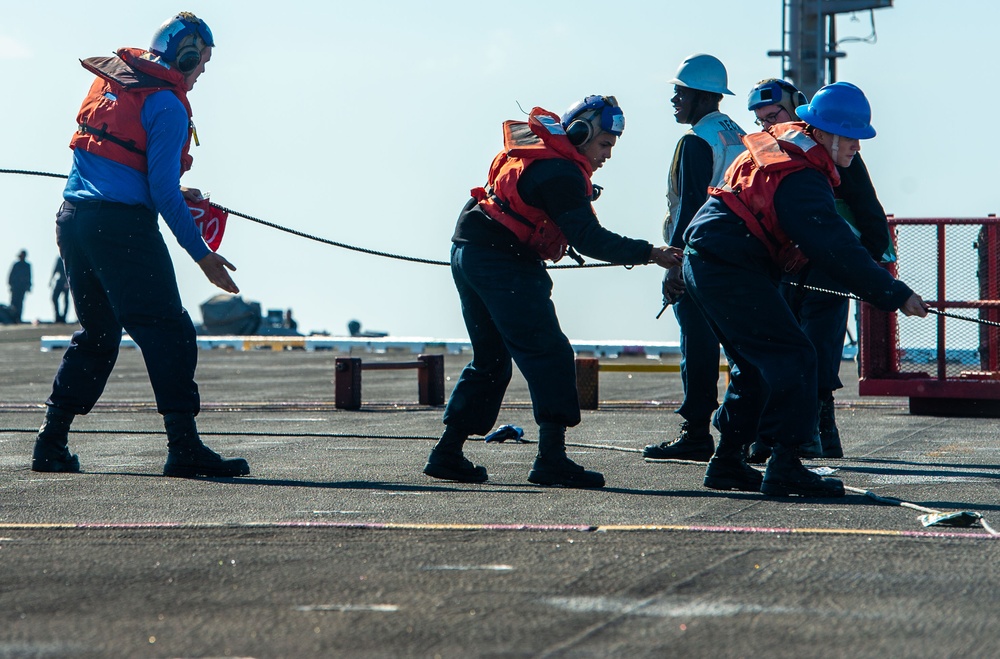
413, 259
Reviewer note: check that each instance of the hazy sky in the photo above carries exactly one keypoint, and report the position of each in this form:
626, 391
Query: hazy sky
368, 122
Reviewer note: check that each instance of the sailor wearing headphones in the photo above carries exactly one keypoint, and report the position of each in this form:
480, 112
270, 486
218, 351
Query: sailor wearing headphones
536, 206
129, 152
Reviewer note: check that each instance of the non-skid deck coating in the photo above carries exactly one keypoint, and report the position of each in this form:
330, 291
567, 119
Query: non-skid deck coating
337, 544
607, 528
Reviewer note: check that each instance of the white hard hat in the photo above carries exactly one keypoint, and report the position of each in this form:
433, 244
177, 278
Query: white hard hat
704, 72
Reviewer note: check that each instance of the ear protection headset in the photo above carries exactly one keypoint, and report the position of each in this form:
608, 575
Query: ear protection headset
181, 41
188, 57
579, 121
579, 132
769, 92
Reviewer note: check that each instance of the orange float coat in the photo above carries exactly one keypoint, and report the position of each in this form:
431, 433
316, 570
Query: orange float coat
753, 178
109, 123
541, 137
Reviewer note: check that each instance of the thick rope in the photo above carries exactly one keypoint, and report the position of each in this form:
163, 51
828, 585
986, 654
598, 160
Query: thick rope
931, 513
327, 435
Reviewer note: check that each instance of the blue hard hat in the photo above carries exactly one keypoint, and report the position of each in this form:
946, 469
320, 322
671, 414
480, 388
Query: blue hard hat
839, 109
169, 36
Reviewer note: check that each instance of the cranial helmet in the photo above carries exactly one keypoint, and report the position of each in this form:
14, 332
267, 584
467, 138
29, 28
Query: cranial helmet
593, 115
181, 40
839, 109
773, 91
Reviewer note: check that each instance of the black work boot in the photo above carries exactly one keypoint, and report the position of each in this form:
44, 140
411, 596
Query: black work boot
812, 448
454, 467
552, 467
447, 462
694, 443
52, 444
759, 453
188, 457
786, 476
829, 434
728, 470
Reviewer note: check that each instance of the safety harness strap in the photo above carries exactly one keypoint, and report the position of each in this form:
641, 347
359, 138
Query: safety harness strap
102, 134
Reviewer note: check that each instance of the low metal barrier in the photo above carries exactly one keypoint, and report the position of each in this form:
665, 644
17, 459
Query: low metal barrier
347, 379
588, 376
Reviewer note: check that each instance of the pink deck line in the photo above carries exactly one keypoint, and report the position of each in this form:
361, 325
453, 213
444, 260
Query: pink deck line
390, 526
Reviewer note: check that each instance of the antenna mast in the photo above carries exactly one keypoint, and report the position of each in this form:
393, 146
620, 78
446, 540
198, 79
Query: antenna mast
809, 40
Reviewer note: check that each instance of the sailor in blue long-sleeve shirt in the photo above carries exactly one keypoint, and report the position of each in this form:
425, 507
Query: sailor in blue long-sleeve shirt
134, 131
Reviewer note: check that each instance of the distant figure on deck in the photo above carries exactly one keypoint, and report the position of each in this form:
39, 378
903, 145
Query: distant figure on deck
19, 281
354, 328
536, 206
129, 152
60, 291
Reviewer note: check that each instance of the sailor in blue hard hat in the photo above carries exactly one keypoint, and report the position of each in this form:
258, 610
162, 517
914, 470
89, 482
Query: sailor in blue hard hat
824, 317
773, 214
840, 117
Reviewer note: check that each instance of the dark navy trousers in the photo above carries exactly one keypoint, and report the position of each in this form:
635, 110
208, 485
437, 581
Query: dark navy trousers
823, 318
772, 388
699, 363
121, 276
509, 314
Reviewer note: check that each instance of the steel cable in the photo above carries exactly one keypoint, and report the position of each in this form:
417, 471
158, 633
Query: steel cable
981, 321
326, 241
966, 518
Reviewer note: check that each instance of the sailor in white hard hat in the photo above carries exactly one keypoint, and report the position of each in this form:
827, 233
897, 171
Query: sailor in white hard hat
700, 159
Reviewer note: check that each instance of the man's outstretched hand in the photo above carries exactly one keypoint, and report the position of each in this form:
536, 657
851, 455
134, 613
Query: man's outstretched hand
216, 268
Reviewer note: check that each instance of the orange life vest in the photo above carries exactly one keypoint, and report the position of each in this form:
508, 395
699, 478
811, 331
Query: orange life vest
540, 138
753, 178
109, 122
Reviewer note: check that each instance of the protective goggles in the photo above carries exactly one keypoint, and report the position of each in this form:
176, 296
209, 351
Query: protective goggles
768, 93
201, 27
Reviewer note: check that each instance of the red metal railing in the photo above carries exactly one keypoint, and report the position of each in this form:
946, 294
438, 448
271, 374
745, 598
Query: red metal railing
955, 364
